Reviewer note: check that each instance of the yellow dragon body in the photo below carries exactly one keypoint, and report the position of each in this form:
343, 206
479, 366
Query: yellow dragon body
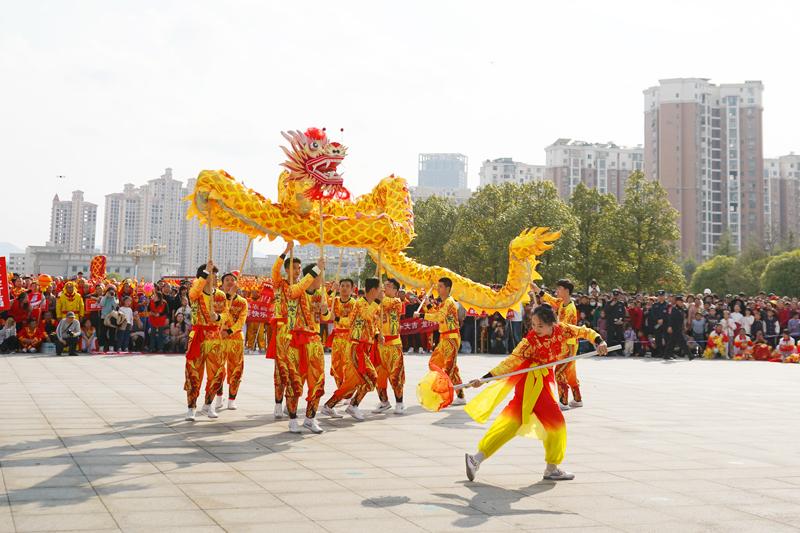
381, 221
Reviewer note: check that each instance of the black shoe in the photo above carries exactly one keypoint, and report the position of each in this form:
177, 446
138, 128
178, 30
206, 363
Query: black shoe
73, 353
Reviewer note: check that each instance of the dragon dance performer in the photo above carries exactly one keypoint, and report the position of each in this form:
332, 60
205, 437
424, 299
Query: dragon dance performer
339, 340
359, 370
203, 339
534, 409
567, 313
305, 358
232, 342
390, 368
279, 340
445, 354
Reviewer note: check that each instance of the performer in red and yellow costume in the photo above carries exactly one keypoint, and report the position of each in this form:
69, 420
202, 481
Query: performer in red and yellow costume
786, 351
207, 303
742, 346
567, 313
390, 368
30, 337
69, 300
305, 358
255, 331
717, 344
339, 341
279, 340
232, 338
445, 355
359, 370
534, 409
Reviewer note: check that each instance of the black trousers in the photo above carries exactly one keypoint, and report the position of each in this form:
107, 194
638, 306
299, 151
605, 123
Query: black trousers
70, 343
677, 340
661, 341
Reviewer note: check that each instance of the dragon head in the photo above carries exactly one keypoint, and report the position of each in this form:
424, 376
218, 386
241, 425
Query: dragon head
313, 158
532, 242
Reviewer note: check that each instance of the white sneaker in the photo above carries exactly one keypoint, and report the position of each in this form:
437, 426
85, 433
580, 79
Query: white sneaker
558, 475
564, 407
204, 410
399, 409
312, 425
231, 404
459, 401
574, 403
218, 404
330, 412
355, 412
278, 410
294, 427
382, 407
190, 415
472, 466
212, 411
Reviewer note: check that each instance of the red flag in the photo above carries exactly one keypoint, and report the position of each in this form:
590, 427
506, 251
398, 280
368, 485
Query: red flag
5, 300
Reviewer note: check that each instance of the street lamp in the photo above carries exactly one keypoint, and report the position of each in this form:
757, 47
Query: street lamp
152, 250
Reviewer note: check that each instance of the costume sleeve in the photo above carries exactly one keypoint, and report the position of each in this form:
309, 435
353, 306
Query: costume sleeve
301, 286
81, 307
581, 332
571, 314
197, 288
276, 269
58, 307
551, 300
437, 315
323, 297
520, 355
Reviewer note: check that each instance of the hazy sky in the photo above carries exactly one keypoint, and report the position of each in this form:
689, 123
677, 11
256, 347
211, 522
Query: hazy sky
106, 93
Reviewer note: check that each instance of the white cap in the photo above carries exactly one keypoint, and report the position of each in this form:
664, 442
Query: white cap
707, 292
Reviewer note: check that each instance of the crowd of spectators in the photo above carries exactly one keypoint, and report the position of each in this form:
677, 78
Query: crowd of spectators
78, 315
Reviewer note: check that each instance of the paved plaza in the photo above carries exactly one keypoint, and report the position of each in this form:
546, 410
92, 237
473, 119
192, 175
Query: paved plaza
99, 443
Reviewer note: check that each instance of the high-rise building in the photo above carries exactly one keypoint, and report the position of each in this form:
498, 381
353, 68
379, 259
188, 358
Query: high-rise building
446, 171
73, 223
782, 199
122, 221
164, 212
601, 166
506, 170
703, 143
457, 196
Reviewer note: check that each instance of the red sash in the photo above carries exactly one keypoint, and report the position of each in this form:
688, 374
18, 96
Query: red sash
366, 350
336, 332
198, 336
272, 347
390, 338
300, 340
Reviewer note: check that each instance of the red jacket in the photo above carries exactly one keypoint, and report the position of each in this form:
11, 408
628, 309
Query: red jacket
636, 316
158, 314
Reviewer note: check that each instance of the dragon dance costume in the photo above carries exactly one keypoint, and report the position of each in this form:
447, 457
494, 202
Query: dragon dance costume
339, 340
390, 367
566, 375
233, 345
203, 352
445, 355
534, 410
359, 367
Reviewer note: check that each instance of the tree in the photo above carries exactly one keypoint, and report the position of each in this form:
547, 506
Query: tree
494, 215
782, 274
725, 246
597, 214
689, 267
434, 221
648, 231
724, 275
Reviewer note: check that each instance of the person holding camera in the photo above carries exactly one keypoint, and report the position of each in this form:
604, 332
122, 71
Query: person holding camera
68, 334
107, 334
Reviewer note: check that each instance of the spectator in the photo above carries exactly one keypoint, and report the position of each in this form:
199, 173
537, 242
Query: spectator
9, 343
747, 321
69, 300
159, 322
30, 337
615, 314
699, 331
676, 331
498, 336
594, 289
793, 326
643, 346
137, 333
88, 337
186, 309
515, 331
178, 334
68, 334
772, 328
107, 334
659, 322
124, 324
630, 339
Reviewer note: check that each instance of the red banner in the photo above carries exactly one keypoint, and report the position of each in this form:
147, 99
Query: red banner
412, 326
259, 311
5, 301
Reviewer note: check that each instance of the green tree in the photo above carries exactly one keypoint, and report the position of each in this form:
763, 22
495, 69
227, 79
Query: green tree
648, 233
725, 246
494, 215
598, 215
782, 274
434, 221
689, 267
724, 275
